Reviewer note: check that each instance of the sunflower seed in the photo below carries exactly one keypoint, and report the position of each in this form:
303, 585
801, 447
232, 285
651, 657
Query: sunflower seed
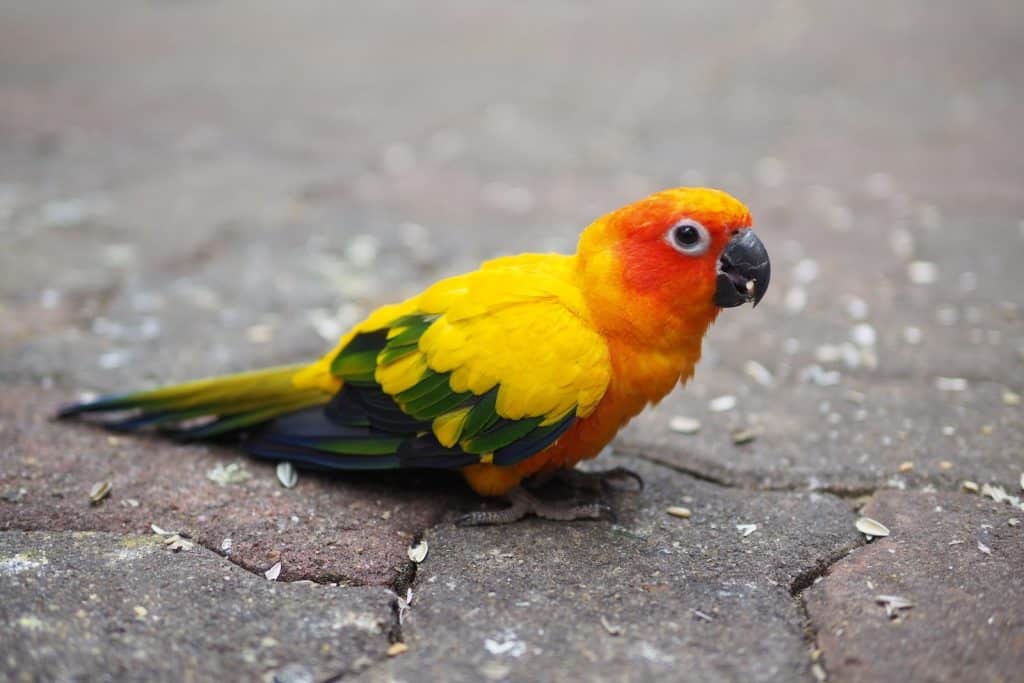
418, 552
742, 436
722, 403
950, 383
175, 543
684, 425
758, 373
870, 527
922, 272
99, 491
287, 475
233, 473
677, 511
970, 486
612, 629
273, 572
746, 529
160, 531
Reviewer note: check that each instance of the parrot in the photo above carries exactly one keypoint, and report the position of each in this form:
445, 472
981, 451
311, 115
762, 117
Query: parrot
509, 374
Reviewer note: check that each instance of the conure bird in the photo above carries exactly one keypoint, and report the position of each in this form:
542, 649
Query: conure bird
511, 372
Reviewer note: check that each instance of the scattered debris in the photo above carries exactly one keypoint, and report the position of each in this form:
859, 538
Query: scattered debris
1011, 399
13, 495
815, 374
225, 546
950, 383
678, 511
945, 465
397, 649
99, 491
984, 548
701, 615
273, 572
403, 605
176, 542
855, 396
418, 552
287, 475
863, 335
1013, 521
140, 611
222, 474
742, 436
612, 629
948, 430
912, 335
758, 373
684, 425
970, 486
818, 672
1022, 481
722, 404
871, 529
892, 604
130, 502
906, 466
746, 529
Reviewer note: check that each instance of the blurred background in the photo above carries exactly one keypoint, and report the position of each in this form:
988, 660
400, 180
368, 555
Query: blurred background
198, 186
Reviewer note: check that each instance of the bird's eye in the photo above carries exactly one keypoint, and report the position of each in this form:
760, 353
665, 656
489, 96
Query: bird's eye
689, 237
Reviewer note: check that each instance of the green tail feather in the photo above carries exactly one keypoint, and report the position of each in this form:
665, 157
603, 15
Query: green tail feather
226, 403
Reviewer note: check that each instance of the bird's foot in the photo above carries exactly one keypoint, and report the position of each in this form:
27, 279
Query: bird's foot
524, 503
615, 480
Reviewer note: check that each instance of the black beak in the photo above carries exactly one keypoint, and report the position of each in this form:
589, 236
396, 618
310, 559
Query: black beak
743, 271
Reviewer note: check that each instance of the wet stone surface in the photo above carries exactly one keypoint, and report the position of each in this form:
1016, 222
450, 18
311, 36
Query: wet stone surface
105, 607
957, 560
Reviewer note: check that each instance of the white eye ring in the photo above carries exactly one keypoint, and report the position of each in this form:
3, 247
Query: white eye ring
689, 237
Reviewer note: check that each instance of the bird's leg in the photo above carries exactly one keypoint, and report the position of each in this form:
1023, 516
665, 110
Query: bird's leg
599, 482
524, 503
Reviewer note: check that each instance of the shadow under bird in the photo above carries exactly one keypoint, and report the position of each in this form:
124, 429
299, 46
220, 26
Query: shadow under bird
510, 373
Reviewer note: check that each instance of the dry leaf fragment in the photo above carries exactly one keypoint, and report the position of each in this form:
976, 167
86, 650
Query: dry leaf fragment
418, 552
99, 491
871, 528
273, 572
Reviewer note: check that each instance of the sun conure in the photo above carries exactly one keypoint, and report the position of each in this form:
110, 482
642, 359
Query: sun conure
528, 365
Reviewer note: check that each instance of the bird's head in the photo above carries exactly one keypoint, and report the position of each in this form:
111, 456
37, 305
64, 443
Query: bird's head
663, 267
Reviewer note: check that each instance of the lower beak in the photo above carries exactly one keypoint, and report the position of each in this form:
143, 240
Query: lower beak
743, 271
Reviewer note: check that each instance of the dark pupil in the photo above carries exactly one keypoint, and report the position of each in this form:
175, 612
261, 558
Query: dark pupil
687, 235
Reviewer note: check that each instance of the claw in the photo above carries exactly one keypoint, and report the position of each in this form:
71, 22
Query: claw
524, 503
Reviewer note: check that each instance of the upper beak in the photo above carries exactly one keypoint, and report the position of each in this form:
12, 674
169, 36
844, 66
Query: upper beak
743, 271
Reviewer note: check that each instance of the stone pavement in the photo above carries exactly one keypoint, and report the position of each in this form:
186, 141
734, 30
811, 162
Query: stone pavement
198, 187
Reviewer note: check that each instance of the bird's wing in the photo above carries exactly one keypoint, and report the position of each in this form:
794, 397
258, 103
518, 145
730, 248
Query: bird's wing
492, 366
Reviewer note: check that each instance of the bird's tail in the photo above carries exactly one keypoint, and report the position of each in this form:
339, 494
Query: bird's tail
206, 407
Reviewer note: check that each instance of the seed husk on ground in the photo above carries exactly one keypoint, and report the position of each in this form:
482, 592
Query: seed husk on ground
99, 491
684, 425
418, 552
893, 603
871, 528
679, 511
273, 572
287, 475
